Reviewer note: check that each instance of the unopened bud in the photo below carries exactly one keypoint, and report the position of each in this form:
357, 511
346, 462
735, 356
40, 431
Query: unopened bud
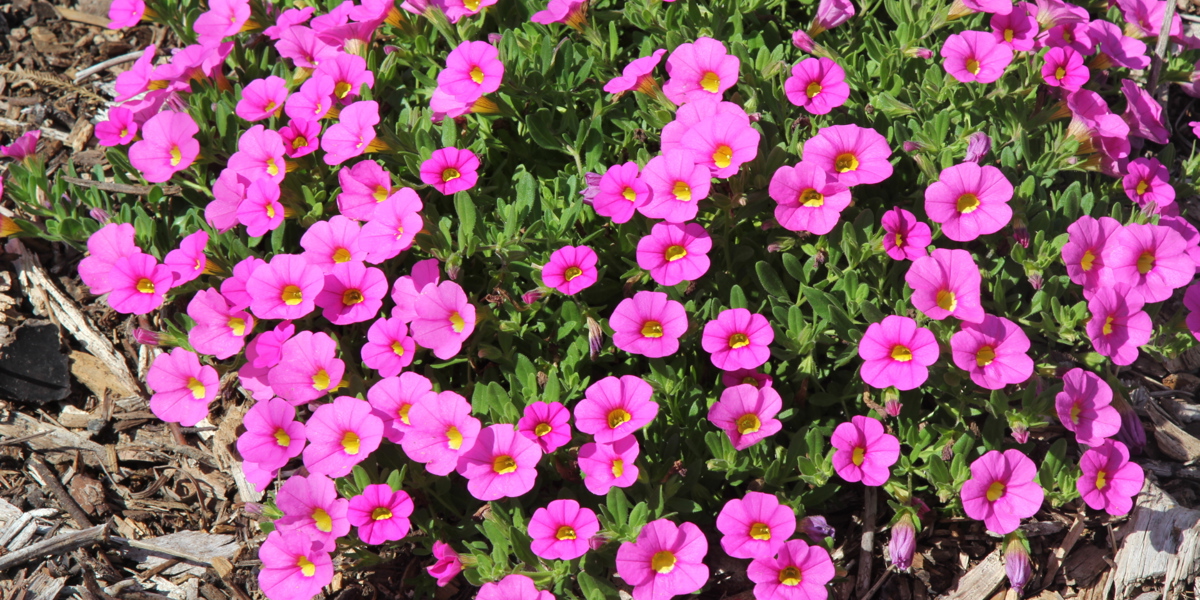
1132, 433
146, 337
816, 528
1020, 433
801, 40
1020, 231
533, 295
591, 188
911, 146
903, 544
891, 402
1016, 561
100, 215
595, 337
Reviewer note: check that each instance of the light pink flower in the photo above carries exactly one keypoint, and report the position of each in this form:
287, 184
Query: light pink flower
665, 561
260, 155
262, 99
621, 192
994, 352
112, 242
139, 284
755, 526
1152, 259
273, 435
904, 237
738, 339
260, 210
865, 451
293, 566
649, 324
308, 368
353, 293
1109, 481
747, 414
677, 185
808, 198
675, 252
722, 143
501, 463
389, 348
183, 388
1085, 407
353, 134
341, 435
187, 261
818, 85
330, 243
614, 408
897, 353
220, 330
392, 397
946, 284
285, 288
562, 529
445, 319
441, 429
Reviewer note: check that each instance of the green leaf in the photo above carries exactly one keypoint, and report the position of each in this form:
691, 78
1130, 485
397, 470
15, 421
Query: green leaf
465, 207
770, 281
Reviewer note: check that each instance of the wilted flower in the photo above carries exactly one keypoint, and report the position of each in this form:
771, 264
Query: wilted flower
978, 146
816, 528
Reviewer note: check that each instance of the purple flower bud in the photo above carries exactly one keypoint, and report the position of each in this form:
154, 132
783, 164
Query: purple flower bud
1016, 561
1020, 433
1035, 280
911, 147
1020, 231
533, 295
978, 146
100, 215
1132, 433
591, 187
253, 508
802, 41
595, 337
146, 337
494, 38
816, 528
755, 117
388, 49
773, 247
597, 541
924, 53
903, 544
891, 402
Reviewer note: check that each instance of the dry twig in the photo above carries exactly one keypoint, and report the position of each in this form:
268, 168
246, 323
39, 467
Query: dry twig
54, 546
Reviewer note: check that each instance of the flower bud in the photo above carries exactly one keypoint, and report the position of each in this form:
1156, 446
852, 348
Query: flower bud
978, 146
903, 544
100, 215
911, 146
533, 295
924, 53
1132, 433
1020, 433
1020, 231
891, 402
595, 337
494, 38
1016, 561
1036, 281
146, 337
591, 188
816, 528
802, 41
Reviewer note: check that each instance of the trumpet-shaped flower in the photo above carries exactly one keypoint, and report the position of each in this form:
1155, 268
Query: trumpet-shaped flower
675, 252
808, 198
1084, 251
571, 269
568, 12
308, 368
139, 284
285, 288
121, 128
353, 134
341, 435
220, 329
293, 566
273, 435
451, 170
700, 70
1153, 259
365, 186
445, 319
1143, 113
1085, 407
447, 566
747, 414
755, 526
606, 466
547, 424
1116, 48
994, 352
738, 339
799, 572
111, 243
380, 514
614, 408
818, 85
649, 324
302, 45
349, 73
187, 261
393, 226
408, 288
1002, 490
1109, 481
946, 284
904, 237
389, 348
330, 243
850, 154
969, 201
353, 293
975, 56
312, 101
897, 353
637, 75
168, 145
562, 530
260, 211
865, 451
1018, 29
501, 464
311, 505
665, 561
222, 19
182, 387
441, 429
1147, 183
512, 587
125, 13
621, 192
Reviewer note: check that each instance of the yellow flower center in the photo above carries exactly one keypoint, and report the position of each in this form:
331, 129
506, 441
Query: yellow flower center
1059, 73
450, 174
542, 429
739, 340
341, 89
196, 387
272, 170
985, 356
973, 66
812, 90
844, 162
1008, 35
1145, 262
710, 82
748, 423
995, 491
629, 194
176, 156
675, 253
456, 322
968, 203
403, 412
1108, 326
723, 156
790, 576
618, 417
946, 300
663, 562
899, 241
477, 75
1142, 186
618, 467
351, 443
381, 513
652, 329
398, 348
282, 438
306, 567
270, 211
504, 464
292, 295
760, 531
351, 297
124, 132
472, 5
381, 193
682, 191
321, 380
572, 273
1101, 480
341, 255
566, 532
454, 439
237, 326
322, 520
1089, 258
812, 198
145, 286
1076, 410
1067, 37
901, 353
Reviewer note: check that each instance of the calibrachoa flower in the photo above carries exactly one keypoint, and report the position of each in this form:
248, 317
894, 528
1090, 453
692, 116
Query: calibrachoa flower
341, 435
308, 368
451, 170
222, 19
818, 85
472, 70
1085, 407
747, 414
614, 408
547, 423
946, 284
665, 561
606, 466
312, 101
562, 530
285, 288
571, 269
649, 324
1191, 301
234, 288
897, 353
1109, 481
677, 186
441, 429
353, 293
1147, 182
139, 284
393, 226
262, 98
903, 544
568, 12
975, 56
1084, 251
349, 73
850, 154
865, 451
637, 75
746, 377
830, 14
182, 387
755, 526
1016, 562
447, 566
1143, 113
904, 237
260, 211
353, 134
329, 243
808, 198
700, 70
675, 252
1118, 325
300, 138
994, 352
1117, 48
125, 13
273, 435
444, 319
692, 114
512, 587
408, 288
1002, 490
380, 514
389, 348
119, 129
365, 186
293, 566
111, 243
1017, 29
311, 505
168, 146
738, 339
722, 143
620, 193
220, 329
187, 261
798, 572
816, 528
1153, 259
392, 397
1064, 68
969, 201
260, 155
501, 463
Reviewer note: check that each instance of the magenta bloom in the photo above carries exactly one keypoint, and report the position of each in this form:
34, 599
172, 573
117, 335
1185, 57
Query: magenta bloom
692, 114
799, 572
260, 211
119, 129
341, 435
1002, 490
1143, 113
451, 170
168, 146
1064, 68
1118, 325
137, 79
568, 12
501, 464
111, 243
353, 134
1117, 48
262, 353
393, 226
700, 70
547, 424
1017, 29
850, 154
293, 566
722, 143
311, 505
380, 514
865, 451
606, 466
755, 526
262, 98
23, 147
747, 414
222, 19
408, 288
273, 435
975, 56
447, 566
182, 387
285, 288
300, 138
994, 352
1147, 182
302, 45
457, 9
897, 353
1085, 407
665, 561
125, 13
389, 348
649, 324
904, 237
1109, 481
365, 186
571, 269
620, 193
188, 261
139, 284
441, 429
472, 70
818, 85
637, 75
1191, 301
1084, 251
1153, 259
330, 243
562, 530
969, 201
512, 587
675, 252
830, 14
392, 397
445, 319
228, 192
220, 329
614, 408
312, 101
946, 284
353, 293
738, 339
677, 185
308, 368
747, 377
260, 155
349, 73
808, 198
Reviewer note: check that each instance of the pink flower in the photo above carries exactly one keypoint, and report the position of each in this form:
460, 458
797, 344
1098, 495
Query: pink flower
389, 348
260, 155
451, 170
722, 143
568, 12
512, 587
308, 368
571, 269
300, 138
747, 414
1085, 407
665, 561
975, 56
1063, 67
903, 544
312, 101
994, 352
1118, 325
946, 284
799, 572
700, 70
393, 227
969, 201
311, 506
441, 429
547, 423
139, 284
228, 192
302, 45
1071, 36
1084, 251
262, 353
273, 435
738, 339
897, 353
330, 243
353, 134
1109, 481
674, 252
365, 186
692, 114
23, 147
341, 435
408, 288
562, 530
865, 451
119, 129
1118, 49
286, 19
447, 566
677, 185
755, 526
808, 198
1143, 114
125, 13
380, 514
1144, 18
392, 397
285, 288
222, 19
111, 243
188, 261
1017, 29
262, 98
294, 566
648, 324
220, 329
137, 79
260, 211
182, 387
606, 466
353, 293
818, 85
1191, 301
621, 193
168, 146
614, 408
472, 70
445, 319
349, 73
904, 236
1002, 490
830, 14
1147, 183
850, 154
501, 463
746, 377
1153, 259
637, 75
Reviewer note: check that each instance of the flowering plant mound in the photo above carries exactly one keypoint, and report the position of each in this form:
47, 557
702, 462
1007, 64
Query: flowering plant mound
651, 280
